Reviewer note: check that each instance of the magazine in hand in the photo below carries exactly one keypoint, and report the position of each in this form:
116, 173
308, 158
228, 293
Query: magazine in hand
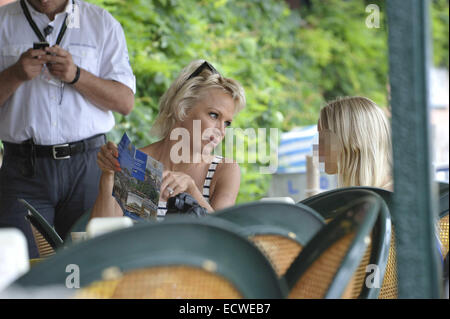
137, 186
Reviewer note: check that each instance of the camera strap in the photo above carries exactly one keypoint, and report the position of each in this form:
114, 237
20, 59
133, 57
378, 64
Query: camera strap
36, 30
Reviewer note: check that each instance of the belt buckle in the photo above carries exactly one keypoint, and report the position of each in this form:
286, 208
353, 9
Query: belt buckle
54, 152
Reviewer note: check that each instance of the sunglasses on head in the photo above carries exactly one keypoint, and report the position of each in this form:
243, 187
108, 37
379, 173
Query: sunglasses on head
204, 65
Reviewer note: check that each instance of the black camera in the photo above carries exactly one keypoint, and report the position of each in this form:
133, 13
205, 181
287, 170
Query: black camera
184, 203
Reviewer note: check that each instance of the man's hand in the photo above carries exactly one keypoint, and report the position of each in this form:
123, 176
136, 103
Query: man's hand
106, 94
60, 64
30, 65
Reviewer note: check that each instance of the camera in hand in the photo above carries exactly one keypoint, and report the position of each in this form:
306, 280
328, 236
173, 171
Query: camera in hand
184, 203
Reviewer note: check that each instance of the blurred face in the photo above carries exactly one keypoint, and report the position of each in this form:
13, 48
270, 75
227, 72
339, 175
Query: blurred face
328, 150
49, 7
214, 110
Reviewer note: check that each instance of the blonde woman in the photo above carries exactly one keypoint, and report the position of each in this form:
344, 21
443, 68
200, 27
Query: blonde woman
355, 143
199, 99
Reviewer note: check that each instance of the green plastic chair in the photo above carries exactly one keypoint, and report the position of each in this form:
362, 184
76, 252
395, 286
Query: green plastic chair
382, 248
280, 230
443, 217
46, 238
445, 278
330, 265
180, 257
386, 195
444, 230
321, 202
443, 199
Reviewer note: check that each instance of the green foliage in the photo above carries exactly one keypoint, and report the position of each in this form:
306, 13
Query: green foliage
344, 56
440, 26
289, 62
256, 42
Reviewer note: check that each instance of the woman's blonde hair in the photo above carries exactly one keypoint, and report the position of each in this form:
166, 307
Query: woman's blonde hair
363, 132
183, 94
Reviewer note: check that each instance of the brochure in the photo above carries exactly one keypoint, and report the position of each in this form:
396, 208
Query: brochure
137, 186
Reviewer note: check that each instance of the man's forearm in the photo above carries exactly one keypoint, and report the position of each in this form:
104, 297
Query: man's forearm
105, 94
8, 84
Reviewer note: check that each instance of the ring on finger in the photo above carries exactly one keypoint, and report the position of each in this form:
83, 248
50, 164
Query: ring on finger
170, 190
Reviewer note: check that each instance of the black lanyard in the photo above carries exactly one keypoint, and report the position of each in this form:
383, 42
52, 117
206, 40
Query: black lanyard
36, 29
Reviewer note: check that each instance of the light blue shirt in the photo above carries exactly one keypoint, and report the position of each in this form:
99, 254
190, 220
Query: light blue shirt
52, 114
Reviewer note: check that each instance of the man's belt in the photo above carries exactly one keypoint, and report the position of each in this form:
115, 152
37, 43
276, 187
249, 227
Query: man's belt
57, 152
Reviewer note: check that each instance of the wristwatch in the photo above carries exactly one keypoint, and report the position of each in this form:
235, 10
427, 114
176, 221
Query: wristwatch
77, 76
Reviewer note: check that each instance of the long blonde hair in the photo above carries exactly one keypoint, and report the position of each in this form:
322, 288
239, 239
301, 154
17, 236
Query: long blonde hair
363, 132
183, 94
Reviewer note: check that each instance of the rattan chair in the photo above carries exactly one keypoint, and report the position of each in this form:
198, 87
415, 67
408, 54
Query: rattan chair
279, 229
46, 238
180, 257
445, 276
333, 264
328, 203
443, 233
323, 201
443, 217
443, 197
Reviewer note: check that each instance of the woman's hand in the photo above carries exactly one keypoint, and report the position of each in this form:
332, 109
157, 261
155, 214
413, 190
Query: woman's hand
107, 158
174, 183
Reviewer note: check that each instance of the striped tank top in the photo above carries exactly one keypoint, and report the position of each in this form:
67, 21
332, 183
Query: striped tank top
162, 206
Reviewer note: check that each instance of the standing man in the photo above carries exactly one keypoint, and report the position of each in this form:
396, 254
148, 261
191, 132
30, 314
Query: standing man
56, 103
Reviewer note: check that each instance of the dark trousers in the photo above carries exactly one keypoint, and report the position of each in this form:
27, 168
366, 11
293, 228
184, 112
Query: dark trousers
61, 190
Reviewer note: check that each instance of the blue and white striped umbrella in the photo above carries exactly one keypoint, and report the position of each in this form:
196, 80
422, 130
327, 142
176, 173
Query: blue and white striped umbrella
294, 146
